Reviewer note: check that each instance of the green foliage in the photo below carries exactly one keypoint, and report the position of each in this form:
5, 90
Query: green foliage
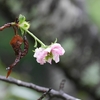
2, 68
14, 5
23, 24
21, 18
69, 45
93, 10
91, 75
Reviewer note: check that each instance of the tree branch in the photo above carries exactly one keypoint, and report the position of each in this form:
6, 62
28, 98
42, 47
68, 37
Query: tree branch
53, 93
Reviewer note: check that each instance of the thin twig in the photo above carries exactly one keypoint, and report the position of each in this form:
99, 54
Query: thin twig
44, 94
61, 87
5, 26
37, 88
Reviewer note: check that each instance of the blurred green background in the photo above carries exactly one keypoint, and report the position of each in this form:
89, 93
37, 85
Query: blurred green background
75, 23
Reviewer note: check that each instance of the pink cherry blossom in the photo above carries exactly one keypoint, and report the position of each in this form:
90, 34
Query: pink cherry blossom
48, 54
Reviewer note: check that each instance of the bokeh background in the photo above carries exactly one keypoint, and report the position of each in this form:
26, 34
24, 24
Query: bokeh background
75, 23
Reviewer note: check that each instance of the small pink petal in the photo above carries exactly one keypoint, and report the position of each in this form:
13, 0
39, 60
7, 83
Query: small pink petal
48, 49
40, 55
41, 58
56, 58
49, 60
38, 52
57, 48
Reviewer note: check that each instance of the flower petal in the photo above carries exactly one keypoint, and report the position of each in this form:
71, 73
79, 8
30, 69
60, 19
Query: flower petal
49, 60
57, 48
40, 55
56, 57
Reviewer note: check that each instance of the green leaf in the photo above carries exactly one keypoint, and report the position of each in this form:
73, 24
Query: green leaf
25, 25
22, 31
21, 18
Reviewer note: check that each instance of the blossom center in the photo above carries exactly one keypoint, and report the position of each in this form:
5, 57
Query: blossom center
49, 56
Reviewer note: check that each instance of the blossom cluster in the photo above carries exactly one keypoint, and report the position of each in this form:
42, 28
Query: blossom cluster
49, 53
44, 53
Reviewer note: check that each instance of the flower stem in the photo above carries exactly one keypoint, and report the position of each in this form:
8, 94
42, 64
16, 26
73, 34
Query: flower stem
35, 38
13, 23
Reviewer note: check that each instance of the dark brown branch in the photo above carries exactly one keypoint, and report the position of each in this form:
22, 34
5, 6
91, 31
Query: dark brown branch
38, 88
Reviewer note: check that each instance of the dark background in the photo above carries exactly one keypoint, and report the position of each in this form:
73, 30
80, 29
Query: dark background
75, 24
